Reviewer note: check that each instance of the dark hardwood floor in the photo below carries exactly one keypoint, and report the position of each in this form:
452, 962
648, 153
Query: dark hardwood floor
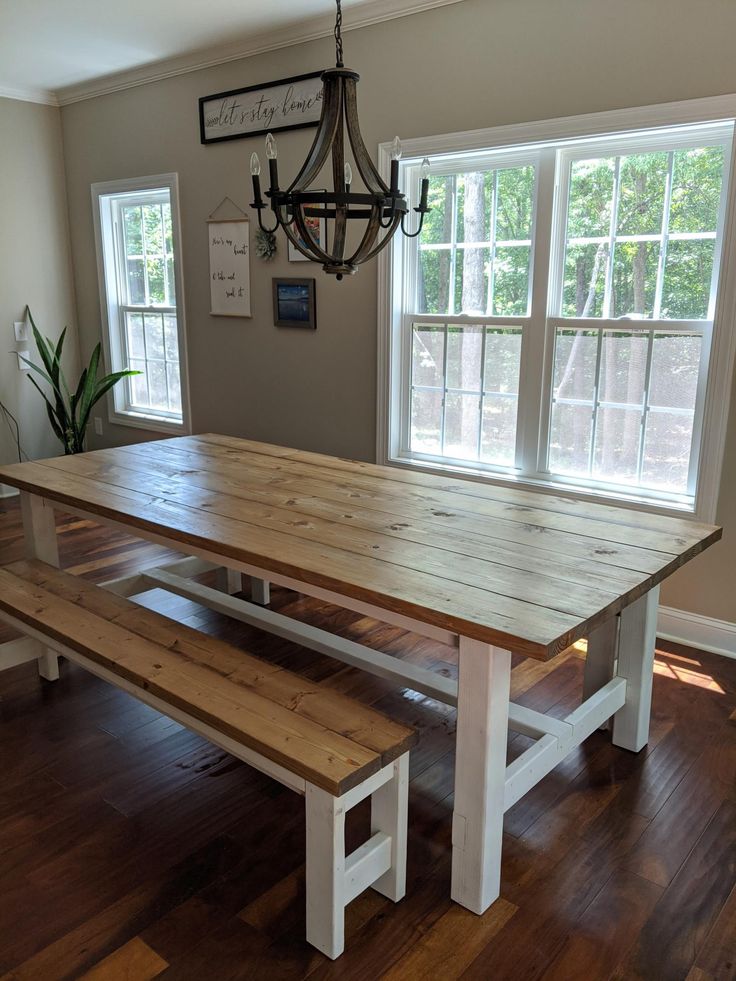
132, 849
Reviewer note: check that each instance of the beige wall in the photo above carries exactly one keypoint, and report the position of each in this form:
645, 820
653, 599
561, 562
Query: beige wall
474, 64
35, 264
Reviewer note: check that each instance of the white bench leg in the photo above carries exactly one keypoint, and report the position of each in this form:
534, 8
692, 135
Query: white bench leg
390, 815
636, 643
325, 871
39, 529
334, 879
480, 773
260, 591
229, 581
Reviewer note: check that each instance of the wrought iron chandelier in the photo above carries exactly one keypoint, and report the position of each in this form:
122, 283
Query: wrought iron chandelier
381, 207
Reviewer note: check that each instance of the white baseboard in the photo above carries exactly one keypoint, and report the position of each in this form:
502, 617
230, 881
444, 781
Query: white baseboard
693, 630
6, 491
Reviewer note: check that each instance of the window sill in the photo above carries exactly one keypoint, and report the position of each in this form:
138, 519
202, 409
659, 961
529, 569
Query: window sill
156, 424
680, 508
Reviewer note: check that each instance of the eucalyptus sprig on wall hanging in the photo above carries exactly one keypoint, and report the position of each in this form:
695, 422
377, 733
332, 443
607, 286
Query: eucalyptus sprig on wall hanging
266, 245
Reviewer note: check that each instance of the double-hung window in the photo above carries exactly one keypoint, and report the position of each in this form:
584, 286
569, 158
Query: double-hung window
554, 322
139, 269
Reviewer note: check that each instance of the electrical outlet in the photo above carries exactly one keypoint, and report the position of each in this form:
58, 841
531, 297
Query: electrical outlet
98, 426
21, 331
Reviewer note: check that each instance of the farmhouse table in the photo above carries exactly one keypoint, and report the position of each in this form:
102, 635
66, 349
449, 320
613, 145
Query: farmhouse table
490, 569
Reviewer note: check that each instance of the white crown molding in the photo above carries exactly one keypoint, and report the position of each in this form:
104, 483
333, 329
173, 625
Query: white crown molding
42, 97
694, 630
362, 15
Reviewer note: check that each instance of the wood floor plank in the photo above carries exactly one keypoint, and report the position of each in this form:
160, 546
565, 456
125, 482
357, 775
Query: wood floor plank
133, 962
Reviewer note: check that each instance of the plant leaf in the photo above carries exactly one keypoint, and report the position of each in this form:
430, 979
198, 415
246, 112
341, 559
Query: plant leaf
104, 386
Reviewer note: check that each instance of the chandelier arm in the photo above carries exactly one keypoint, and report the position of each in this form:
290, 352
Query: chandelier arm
268, 231
384, 241
419, 229
328, 123
371, 178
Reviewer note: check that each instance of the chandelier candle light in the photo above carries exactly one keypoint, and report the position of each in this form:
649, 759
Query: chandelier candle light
383, 207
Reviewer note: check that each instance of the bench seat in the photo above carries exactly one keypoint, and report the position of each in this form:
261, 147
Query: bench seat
336, 750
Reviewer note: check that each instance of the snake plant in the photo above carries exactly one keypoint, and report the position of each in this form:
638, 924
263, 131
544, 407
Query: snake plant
69, 411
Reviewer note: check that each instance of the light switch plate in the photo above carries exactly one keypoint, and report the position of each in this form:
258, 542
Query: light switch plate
98, 426
21, 330
21, 365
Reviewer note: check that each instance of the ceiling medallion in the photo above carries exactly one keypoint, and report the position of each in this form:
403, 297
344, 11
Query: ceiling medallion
382, 207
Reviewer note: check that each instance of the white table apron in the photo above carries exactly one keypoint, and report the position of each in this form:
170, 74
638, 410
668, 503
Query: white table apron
617, 685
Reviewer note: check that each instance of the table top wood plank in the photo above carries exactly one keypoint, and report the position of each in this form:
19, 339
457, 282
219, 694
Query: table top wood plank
500, 565
579, 570
344, 497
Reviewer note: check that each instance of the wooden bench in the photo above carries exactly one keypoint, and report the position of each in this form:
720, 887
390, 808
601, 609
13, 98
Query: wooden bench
332, 749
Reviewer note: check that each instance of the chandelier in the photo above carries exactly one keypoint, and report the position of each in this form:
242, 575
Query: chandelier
382, 207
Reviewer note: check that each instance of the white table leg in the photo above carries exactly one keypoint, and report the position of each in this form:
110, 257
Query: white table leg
637, 639
39, 528
600, 660
480, 773
260, 591
229, 581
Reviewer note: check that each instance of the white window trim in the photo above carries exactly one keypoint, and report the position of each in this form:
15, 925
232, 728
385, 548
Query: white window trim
390, 383
140, 420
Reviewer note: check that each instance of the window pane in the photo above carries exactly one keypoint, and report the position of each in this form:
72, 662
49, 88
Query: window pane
462, 420
157, 385
514, 204
168, 233
616, 454
153, 229
623, 367
635, 266
675, 370
171, 336
474, 194
584, 280
498, 438
502, 362
136, 347
154, 336
591, 198
426, 421
464, 352
139, 384
511, 281
136, 281
643, 179
471, 280
172, 371
570, 436
433, 288
132, 230
687, 275
437, 227
667, 449
428, 354
576, 353
696, 189
156, 288
170, 283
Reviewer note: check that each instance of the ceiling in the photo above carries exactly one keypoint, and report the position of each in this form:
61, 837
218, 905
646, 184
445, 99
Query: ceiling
59, 51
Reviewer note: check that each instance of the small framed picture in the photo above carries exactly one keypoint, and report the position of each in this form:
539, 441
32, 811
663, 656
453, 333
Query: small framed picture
316, 228
294, 303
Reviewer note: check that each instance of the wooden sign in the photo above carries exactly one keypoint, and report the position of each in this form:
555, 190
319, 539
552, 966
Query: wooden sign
229, 244
289, 103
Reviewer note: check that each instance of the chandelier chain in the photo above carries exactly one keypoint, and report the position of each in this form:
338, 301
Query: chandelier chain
338, 36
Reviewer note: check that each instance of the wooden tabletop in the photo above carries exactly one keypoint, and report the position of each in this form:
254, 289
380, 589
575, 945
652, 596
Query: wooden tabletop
527, 571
